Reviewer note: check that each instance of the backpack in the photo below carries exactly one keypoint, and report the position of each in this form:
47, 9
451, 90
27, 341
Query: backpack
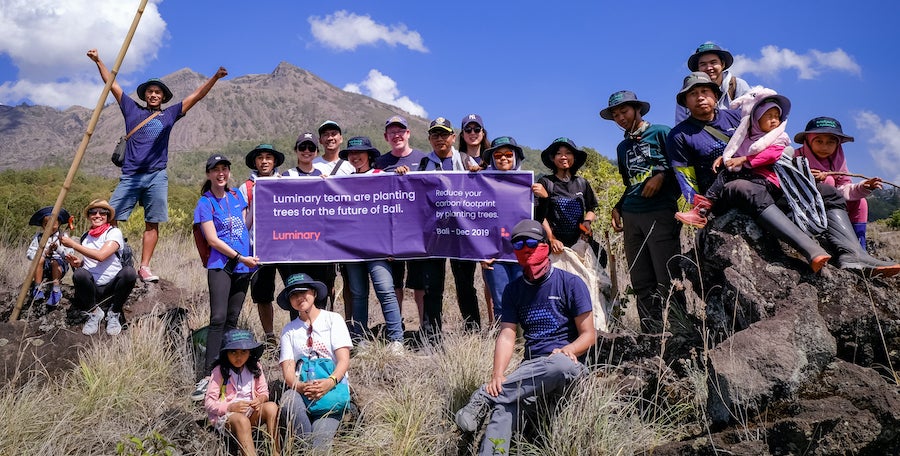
126, 257
203, 247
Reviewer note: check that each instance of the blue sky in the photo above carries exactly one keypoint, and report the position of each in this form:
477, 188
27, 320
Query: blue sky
533, 70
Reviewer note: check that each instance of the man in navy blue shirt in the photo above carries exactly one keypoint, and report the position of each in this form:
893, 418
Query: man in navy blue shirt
553, 307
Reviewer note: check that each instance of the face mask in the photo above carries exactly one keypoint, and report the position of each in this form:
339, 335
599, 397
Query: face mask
535, 262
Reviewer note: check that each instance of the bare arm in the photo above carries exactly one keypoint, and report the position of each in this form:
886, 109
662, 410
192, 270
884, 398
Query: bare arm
109, 248
105, 74
587, 336
503, 350
201, 91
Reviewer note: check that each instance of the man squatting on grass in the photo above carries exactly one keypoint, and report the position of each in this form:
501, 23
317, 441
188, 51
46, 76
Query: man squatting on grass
144, 179
554, 309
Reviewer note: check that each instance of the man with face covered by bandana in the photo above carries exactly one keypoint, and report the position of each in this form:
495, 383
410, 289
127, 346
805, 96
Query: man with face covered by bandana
553, 307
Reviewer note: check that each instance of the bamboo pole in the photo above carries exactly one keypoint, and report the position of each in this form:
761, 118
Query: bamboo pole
76, 162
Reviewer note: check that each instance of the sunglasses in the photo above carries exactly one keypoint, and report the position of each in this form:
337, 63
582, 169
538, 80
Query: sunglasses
530, 243
507, 154
309, 336
96, 211
307, 148
475, 130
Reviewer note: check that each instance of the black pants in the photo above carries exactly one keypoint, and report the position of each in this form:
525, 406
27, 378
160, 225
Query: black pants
226, 298
464, 279
651, 240
87, 292
754, 196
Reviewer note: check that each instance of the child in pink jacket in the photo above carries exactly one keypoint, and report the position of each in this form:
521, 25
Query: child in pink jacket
237, 397
822, 146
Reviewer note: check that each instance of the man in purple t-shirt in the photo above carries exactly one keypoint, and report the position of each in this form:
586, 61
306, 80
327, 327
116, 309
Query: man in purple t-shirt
553, 307
144, 179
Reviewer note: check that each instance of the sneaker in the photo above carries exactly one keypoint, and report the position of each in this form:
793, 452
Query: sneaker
396, 348
469, 418
92, 325
39, 294
200, 390
113, 324
147, 275
55, 298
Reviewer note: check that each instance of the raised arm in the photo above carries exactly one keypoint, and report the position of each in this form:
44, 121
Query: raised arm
201, 91
105, 74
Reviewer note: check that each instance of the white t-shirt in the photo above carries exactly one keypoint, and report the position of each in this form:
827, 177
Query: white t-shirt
104, 271
329, 334
326, 167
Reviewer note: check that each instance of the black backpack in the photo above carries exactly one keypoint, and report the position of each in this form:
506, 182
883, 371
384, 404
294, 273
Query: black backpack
127, 255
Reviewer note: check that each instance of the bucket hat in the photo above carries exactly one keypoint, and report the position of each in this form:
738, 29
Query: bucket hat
624, 97
550, 151
215, 159
823, 125
301, 282
38, 217
103, 204
360, 143
503, 141
694, 79
250, 159
142, 89
709, 47
240, 339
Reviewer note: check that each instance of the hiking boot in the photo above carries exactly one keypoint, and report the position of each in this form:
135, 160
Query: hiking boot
39, 294
147, 275
113, 323
696, 217
469, 418
200, 390
55, 297
92, 325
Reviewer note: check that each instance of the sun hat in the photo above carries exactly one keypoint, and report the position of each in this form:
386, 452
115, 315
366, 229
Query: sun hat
471, 118
440, 124
301, 282
250, 159
396, 120
38, 217
550, 151
694, 79
624, 97
103, 204
530, 229
360, 143
142, 89
709, 48
503, 141
240, 339
329, 125
823, 125
215, 159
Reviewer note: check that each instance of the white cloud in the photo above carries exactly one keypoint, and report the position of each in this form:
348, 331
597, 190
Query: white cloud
884, 143
47, 41
346, 31
384, 89
808, 65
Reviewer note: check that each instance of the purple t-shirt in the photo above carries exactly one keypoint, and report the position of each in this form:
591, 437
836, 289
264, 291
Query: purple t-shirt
546, 310
148, 148
390, 162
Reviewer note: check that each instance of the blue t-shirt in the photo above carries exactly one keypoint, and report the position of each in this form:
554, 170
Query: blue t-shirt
546, 310
390, 162
692, 150
148, 148
228, 219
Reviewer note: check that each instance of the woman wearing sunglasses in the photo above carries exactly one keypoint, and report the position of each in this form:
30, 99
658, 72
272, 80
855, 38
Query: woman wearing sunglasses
316, 333
504, 155
100, 278
473, 139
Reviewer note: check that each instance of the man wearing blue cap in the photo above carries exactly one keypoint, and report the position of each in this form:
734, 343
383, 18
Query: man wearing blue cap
144, 179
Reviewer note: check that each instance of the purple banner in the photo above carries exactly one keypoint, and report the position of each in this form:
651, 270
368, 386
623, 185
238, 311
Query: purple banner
373, 216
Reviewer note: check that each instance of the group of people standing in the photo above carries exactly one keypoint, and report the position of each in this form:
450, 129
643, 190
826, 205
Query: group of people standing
715, 157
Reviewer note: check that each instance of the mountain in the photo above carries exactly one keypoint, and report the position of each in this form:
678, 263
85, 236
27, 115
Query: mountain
238, 113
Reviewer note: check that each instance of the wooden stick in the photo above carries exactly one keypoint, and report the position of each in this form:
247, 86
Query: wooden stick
76, 162
841, 173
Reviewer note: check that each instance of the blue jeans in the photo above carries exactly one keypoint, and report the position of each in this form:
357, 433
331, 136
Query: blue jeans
497, 280
383, 281
151, 190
